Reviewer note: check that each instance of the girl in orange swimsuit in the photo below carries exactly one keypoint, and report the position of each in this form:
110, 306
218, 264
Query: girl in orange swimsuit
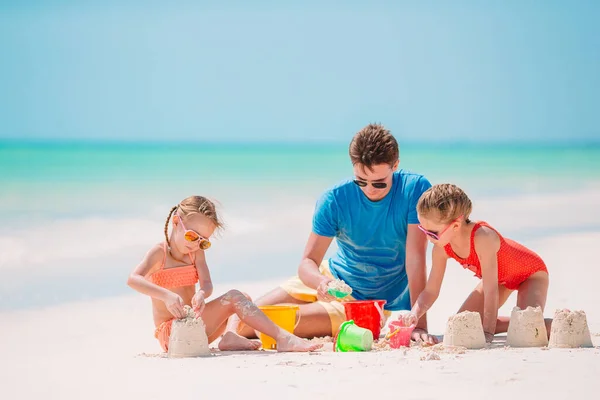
503, 265
169, 273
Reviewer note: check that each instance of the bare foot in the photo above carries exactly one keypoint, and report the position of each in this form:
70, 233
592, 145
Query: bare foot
232, 341
288, 342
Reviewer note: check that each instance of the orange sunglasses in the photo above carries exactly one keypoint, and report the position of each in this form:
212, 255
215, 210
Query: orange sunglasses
193, 236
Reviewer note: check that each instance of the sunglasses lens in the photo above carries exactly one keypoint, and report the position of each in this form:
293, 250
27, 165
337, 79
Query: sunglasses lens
430, 234
191, 236
204, 244
379, 185
360, 183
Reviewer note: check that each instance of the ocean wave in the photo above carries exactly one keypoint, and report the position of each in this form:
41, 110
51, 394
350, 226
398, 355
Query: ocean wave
58, 241
276, 226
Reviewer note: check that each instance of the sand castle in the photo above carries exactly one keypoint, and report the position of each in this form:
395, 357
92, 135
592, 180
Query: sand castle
465, 329
570, 329
527, 328
188, 336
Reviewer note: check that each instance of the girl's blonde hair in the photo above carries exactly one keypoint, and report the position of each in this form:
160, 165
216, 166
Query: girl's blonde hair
447, 201
194, 205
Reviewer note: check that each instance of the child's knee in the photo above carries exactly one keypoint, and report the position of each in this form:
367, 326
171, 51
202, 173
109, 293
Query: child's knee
246, 295
234, 296
231, 298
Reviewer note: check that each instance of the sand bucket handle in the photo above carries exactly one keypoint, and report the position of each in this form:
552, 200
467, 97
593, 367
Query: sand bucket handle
382, 317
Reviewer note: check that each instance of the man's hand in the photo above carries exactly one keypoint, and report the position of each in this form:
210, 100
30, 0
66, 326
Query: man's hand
420, 335
322, 294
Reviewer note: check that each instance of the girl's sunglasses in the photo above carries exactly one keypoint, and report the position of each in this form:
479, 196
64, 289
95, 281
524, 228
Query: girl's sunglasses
193, 236
376, 185
435, 235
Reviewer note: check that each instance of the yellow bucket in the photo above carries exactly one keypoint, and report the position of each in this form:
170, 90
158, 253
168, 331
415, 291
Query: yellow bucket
282, 316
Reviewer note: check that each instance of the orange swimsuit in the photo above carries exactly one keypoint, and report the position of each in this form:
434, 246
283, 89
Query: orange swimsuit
516, 263
172, 278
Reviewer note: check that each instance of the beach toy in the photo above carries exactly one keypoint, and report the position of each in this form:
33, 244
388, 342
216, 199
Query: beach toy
570, 329
465, 329
366, 314
337, 293
339, 289
282, 316
351, 337
527, 328
399, 335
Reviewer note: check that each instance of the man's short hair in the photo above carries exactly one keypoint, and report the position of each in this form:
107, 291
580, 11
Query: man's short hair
373, 145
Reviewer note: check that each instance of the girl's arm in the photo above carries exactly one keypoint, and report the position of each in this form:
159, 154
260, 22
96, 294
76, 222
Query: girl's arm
432, 289
487, 244
137, 280
416, 267
206, 285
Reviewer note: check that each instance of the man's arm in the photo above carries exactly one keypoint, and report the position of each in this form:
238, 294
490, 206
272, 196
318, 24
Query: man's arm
416, 247
308, 271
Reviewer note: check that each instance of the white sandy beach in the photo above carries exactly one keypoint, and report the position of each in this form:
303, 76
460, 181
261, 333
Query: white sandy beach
105, 349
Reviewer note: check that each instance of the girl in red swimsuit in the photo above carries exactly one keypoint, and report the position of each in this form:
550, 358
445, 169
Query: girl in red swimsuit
503, 265
169, 273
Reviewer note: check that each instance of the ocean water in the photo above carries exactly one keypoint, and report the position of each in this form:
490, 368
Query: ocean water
78, 216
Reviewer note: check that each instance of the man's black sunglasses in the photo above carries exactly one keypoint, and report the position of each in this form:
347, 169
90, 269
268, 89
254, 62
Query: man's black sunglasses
376, 185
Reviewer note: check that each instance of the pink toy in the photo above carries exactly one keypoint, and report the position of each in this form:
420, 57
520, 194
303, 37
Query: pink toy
399, 335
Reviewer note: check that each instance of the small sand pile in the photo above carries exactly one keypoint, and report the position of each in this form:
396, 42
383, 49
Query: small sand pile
442, 348
188, 336
570, 329
321, 340
340, 286
431, 356
381, 345
527, 328
465, 329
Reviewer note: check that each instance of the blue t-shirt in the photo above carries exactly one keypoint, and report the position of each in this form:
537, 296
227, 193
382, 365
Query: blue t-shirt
371, 236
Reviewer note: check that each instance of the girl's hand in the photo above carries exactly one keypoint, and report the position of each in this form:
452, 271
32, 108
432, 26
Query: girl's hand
322, 294
175, 305
409, 319
420, 335
198, 303
489, 337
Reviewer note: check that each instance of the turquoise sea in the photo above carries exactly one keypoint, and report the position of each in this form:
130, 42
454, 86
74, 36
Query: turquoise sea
77, 216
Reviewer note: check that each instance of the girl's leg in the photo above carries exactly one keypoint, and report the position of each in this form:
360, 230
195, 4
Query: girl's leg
475, 303
274, 297
533, 292
234, 301
215, 318
314, 322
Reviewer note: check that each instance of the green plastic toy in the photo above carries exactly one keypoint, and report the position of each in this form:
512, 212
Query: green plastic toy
352, 337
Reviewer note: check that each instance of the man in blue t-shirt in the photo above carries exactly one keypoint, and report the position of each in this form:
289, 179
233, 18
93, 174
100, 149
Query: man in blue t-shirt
381, 252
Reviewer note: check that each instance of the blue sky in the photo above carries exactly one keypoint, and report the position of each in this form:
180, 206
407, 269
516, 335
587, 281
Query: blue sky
312, 70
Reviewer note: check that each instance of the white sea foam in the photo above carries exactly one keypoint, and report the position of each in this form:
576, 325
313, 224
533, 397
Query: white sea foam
54, 242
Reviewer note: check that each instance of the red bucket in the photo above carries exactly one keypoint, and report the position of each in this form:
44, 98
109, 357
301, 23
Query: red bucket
367, 314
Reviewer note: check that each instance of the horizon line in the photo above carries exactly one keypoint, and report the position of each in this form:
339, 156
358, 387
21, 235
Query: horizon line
262, 142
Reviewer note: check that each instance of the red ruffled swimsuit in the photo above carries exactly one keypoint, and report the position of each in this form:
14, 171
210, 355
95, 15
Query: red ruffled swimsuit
516, 262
